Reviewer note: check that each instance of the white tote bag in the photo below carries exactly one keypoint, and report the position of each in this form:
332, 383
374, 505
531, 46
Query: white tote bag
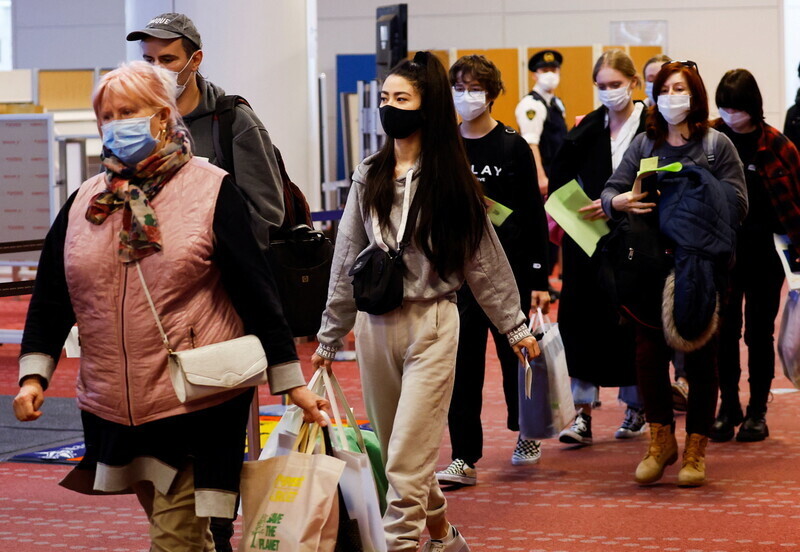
789, 338
545, 395
289, 424
357, 483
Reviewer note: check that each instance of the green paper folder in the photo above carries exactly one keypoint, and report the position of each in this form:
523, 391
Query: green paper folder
650, 164
563, 205
498, 213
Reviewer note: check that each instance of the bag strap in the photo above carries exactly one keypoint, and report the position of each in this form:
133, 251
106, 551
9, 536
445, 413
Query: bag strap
307, 438
710, 146
334, 390
153, 309
404, 230
222, 129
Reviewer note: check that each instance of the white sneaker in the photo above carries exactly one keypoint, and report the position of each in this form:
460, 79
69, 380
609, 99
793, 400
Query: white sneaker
458, 472
453, 542
526, 452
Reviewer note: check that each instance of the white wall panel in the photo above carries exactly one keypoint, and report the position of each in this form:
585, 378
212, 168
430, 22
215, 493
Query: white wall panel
56, 34
264, 57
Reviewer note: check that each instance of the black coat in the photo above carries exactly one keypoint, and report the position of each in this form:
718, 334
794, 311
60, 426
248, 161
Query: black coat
590, 327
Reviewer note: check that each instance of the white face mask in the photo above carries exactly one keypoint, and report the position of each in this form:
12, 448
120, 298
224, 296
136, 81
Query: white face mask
470, 105
615, 100
674, 107
548, 81
180, 88
734, 119
648, 89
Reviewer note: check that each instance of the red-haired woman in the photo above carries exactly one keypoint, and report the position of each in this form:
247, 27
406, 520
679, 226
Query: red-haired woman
677, 130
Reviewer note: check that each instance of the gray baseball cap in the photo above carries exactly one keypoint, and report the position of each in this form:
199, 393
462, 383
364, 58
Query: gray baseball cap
167, 26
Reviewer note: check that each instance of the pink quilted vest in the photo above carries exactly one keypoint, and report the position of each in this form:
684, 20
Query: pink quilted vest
123, 373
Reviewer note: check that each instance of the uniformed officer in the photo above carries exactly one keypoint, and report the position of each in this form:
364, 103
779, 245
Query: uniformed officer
540, 114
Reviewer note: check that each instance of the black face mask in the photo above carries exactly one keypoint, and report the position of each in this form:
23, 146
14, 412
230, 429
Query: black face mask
400, 123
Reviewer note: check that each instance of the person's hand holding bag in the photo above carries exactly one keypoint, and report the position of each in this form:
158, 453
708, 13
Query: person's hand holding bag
531, 345
311, 403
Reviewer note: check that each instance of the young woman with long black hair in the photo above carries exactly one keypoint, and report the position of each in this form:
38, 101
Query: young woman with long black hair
407, 355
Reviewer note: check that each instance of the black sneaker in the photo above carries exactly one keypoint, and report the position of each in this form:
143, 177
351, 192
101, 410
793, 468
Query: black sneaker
724, 427
633, 424
580, 432
754, 428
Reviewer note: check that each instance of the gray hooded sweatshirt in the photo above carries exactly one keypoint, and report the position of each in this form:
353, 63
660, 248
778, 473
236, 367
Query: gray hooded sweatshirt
256, 170
488, 273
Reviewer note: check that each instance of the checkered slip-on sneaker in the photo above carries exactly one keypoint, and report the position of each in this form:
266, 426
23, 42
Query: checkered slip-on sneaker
526, 452
458, 472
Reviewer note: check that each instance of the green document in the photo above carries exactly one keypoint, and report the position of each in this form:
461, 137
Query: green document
650, 165
498, 213
563, 205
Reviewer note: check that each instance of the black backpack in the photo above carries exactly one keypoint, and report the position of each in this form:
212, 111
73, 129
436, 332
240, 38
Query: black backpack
633, 260
296, 209
300, 257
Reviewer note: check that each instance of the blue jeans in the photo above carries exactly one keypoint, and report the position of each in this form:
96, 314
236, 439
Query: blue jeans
584, 392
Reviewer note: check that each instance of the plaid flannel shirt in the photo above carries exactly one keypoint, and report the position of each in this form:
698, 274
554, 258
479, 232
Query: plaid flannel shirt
778, 164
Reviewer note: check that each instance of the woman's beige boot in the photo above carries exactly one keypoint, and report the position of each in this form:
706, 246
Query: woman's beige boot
662, 452
693, 471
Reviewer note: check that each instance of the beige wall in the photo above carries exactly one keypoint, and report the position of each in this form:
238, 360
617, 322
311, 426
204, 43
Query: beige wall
717, 35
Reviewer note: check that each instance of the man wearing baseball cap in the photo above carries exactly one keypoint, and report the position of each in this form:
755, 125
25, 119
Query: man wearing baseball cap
540, 114
172, 41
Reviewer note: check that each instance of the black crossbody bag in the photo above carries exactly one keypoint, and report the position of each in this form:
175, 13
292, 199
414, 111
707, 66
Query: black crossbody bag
378, 276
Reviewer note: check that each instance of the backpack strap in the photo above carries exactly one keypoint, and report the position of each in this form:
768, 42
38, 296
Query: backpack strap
710, 146
222, 130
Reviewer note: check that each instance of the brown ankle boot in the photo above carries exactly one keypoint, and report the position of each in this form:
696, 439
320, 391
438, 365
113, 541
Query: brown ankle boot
662, 452
693, 470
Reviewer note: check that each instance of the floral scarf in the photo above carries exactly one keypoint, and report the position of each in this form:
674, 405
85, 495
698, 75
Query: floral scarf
132, 189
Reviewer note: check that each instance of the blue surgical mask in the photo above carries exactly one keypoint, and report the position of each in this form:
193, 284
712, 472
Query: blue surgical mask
130, 140
648, 89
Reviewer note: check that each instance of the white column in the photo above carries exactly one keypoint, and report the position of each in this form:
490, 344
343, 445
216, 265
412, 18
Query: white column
266, 52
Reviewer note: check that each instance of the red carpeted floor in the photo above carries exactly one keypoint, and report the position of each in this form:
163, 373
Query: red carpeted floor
574, 500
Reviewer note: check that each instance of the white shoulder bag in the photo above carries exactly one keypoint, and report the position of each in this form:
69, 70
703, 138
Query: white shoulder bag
211, 369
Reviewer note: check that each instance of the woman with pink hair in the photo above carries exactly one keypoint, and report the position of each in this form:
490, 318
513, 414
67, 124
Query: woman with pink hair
178, 222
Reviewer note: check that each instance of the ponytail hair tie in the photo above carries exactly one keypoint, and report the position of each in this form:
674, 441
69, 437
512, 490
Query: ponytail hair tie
421, 57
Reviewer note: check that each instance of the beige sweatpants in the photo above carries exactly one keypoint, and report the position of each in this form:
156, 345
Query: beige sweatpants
174, 526
407, 363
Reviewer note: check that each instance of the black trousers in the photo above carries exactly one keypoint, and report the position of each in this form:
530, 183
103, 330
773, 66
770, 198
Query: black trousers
464, 417
756, 280
652, 370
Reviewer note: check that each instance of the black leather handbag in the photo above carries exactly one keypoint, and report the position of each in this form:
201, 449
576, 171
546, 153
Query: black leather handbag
301, 261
